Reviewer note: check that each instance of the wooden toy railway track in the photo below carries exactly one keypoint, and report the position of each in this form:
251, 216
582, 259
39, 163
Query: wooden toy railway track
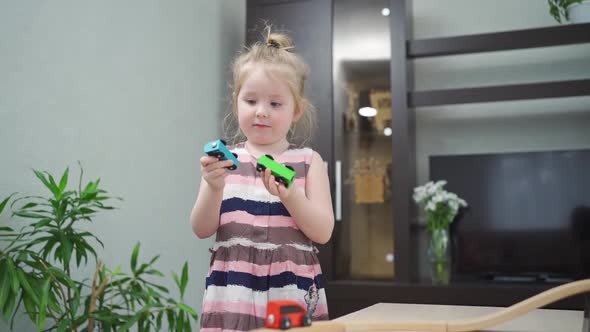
459, 325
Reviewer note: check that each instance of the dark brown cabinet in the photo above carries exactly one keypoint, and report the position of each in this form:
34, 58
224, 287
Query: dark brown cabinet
360, 57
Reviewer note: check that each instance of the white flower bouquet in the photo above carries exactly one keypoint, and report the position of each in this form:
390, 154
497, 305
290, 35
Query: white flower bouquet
440, 206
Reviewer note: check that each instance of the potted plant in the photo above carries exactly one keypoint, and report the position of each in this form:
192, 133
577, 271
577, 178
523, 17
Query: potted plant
574, 11
37, 264
440, 207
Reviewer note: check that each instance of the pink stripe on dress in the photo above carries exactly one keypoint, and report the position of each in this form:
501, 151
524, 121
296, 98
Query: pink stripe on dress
239, 179
246, 308
243, 217
308, 271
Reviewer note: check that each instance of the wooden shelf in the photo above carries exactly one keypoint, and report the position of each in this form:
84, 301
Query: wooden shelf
500, 41
557, 89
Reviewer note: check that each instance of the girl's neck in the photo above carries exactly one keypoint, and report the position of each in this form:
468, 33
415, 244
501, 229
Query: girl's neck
273, 149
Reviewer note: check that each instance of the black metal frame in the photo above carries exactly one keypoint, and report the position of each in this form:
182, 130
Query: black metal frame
586, 326
500, 41
569, 88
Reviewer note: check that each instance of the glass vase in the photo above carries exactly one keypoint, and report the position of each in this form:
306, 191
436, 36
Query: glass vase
439, 256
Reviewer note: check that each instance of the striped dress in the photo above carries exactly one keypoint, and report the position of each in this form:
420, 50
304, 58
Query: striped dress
259, 254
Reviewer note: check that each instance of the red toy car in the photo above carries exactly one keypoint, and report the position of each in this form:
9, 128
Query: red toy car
286, 314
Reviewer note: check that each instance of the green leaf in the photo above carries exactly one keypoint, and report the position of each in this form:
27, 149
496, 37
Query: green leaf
25, 214
4, 202
27, 286
66, 250
61, 276
75, 301
30, 307
54, 188
176, 280
133, 319
64, 324
88, 248
180, 322
41, 177
186, 308
142, 268
6, 229
9, 306
155, 272
187, 325
42, 223
54, 304
12, 276
51, 242
64, 180
29, 205
154, 259
171, 318
85, 210
134, 257
43, 305
128, 305
5, 283
80, 252
159, 321
184, 279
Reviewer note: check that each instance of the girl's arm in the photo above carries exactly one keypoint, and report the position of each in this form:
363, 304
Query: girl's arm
312, 209
205, 213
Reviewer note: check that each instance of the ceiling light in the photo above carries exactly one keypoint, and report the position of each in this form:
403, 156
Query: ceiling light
387, 131
385, 11
367, 111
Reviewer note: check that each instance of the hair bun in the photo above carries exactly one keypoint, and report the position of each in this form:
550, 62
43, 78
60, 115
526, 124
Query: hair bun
279, 41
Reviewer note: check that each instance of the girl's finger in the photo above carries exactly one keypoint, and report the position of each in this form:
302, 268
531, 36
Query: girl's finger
275, 186
265, 176
207, 160
218, 165
216, 173
268, 185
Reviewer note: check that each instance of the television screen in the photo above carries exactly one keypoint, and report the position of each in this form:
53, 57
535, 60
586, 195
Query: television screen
528, 215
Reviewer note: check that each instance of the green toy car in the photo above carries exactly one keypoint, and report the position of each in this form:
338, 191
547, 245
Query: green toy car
283, 173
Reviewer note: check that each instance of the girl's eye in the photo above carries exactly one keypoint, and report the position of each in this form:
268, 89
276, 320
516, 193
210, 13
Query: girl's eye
275, 104
250, 101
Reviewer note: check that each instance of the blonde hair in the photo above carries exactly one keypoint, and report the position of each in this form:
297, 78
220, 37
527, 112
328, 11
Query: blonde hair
275, 51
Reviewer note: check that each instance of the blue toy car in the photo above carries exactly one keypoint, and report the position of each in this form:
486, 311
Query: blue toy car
219, 149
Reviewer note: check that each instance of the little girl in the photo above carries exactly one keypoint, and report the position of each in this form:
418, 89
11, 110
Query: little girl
265, 232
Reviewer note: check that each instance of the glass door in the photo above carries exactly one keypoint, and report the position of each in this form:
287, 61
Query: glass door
363, 238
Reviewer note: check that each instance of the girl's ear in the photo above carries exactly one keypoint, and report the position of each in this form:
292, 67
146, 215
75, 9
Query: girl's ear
299, 111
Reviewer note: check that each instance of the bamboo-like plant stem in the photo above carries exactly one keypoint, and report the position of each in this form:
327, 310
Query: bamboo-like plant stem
94, 294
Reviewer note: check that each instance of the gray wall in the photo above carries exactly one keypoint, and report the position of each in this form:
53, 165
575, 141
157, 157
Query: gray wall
551, 124
131, 89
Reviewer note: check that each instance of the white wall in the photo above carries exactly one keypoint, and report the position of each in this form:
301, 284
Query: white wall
494, 127
546, 124
131, 89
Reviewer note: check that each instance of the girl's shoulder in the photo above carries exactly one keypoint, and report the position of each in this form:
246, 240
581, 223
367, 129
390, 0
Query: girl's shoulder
299, 152
298, 149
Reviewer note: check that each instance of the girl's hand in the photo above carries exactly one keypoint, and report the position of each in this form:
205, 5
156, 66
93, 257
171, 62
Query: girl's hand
274, 187
214, 171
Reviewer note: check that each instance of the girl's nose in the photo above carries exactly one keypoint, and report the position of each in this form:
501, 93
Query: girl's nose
261, 112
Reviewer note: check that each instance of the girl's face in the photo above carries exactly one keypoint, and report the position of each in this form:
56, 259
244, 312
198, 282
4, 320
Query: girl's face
266, 107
